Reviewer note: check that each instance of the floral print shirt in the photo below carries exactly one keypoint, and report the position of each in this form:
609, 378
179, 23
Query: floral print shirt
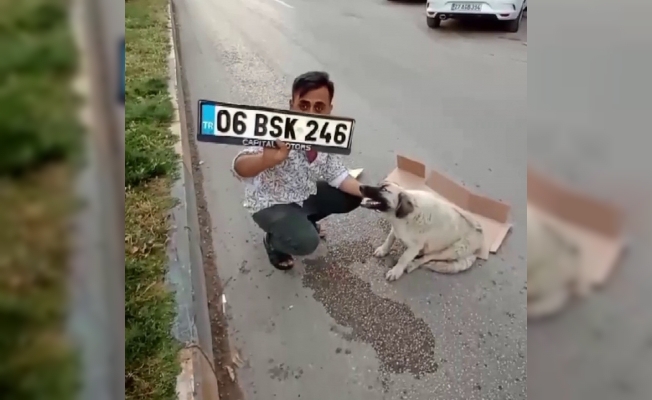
292, 181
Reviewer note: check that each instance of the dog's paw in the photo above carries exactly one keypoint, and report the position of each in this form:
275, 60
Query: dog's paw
547, 306
380, 252
394, 273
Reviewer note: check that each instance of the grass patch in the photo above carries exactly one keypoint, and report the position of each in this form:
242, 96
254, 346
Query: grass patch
150, 351
37, 106
37, 360
40, 142
149, 144
151, 363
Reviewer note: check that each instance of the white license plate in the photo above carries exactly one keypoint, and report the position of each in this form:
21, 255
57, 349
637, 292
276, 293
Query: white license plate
261, 126
466, 7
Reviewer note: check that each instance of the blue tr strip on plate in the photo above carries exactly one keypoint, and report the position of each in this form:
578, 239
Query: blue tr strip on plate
207, 119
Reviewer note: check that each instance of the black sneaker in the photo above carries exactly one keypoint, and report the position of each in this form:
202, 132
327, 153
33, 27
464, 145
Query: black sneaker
278, 259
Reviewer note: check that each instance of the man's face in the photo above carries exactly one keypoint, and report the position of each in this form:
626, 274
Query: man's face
314, 102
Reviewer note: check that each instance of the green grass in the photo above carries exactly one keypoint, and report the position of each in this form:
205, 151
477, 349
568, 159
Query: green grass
40, 142
38, 58
151, 363
149, 145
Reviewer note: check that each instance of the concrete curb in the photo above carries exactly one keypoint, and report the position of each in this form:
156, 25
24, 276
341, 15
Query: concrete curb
96, 281
197, 380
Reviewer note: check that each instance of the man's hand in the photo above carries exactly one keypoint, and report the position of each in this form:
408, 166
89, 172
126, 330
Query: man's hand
275, 156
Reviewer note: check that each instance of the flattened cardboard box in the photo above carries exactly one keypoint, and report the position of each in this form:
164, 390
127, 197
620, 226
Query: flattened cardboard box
491, 214
595, 227
355, 173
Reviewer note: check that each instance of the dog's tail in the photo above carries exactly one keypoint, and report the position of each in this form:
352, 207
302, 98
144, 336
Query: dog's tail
452, 267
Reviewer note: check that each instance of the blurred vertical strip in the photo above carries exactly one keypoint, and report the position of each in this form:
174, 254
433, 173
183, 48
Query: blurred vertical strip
98, 267
121, 70
41, 144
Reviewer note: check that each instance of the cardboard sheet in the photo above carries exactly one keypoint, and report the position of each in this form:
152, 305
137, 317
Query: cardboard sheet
491, 214
355, 172
596, 227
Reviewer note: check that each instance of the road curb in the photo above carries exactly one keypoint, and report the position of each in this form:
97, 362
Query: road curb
197, 380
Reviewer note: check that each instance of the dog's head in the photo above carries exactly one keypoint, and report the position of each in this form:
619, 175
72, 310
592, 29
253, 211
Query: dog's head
387, 198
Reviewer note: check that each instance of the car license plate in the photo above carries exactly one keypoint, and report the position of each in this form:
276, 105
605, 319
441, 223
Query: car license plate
466, 7
242, 125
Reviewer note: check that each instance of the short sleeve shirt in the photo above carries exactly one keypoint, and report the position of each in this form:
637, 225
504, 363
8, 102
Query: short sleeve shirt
292, 181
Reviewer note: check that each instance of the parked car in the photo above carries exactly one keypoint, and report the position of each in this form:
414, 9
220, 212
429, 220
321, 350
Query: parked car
510, 11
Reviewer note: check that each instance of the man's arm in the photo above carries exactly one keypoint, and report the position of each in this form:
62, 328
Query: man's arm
250, 165
252, 161
351, 186
337, 175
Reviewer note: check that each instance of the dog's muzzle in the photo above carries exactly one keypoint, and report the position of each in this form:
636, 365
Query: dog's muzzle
373, 199
369, 203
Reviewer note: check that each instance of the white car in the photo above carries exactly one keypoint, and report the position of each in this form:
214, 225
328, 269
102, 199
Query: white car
510, 11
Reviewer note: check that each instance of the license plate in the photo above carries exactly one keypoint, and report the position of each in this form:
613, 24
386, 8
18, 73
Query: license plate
243, 125
466, 7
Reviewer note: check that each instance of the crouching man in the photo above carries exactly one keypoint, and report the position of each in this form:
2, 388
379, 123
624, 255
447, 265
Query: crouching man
290, 191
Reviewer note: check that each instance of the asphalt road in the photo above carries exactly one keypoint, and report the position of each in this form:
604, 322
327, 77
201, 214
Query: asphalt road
456, 99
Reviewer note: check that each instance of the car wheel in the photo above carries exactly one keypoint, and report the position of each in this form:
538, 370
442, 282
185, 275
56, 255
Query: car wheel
515, 24
433, 23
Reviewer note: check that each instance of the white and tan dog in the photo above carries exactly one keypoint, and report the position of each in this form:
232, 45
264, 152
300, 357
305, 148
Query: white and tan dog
430, 228
553, 269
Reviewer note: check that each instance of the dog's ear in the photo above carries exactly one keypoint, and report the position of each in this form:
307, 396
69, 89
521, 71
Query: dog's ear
405, 205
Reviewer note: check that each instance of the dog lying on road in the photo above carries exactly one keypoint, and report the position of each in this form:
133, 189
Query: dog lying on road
430, 228
553, 269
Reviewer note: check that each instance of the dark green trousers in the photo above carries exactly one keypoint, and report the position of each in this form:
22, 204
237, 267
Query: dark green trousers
292, 227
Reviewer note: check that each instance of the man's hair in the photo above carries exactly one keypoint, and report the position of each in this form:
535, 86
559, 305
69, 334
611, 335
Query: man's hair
310, 81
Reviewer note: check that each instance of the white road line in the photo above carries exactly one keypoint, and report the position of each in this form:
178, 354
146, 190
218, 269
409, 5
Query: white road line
283, 3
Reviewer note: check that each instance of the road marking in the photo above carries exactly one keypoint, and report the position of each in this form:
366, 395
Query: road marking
283, 3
